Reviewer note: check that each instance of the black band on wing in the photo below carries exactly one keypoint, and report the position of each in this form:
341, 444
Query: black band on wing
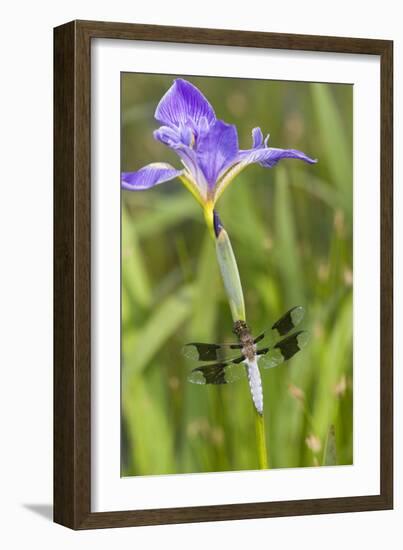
260, 337
218, 373
212, 374
208, 352
283, 350
291, 345
289, 320
285, 324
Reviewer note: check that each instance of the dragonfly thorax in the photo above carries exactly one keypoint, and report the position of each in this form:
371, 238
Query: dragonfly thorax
245, 337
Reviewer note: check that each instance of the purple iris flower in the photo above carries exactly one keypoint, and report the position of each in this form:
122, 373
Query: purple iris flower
208, 147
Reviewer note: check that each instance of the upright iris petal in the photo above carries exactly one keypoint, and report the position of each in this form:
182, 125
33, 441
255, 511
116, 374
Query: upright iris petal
257, 138
217, 151
182, 104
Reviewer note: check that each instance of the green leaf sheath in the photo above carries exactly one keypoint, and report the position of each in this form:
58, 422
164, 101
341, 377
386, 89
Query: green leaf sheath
230, 275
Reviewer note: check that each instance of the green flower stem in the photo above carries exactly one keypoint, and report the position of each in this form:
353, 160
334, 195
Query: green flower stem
232, 283
261, 441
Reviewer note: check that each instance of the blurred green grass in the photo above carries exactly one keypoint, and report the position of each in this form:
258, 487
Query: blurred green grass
291, 230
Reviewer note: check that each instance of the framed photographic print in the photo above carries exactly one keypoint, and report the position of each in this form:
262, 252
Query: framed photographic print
223, 275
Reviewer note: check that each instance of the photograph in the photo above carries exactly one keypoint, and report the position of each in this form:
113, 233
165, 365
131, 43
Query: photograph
236, 274
203, 256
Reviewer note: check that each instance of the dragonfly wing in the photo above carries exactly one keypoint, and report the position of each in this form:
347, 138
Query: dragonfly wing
218, 373
199, 351
289, 320
285, 324
283, 350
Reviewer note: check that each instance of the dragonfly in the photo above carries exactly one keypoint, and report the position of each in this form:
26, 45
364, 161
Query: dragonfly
227, 363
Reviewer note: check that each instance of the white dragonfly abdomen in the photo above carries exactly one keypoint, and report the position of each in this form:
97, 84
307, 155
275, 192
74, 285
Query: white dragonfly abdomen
255, 384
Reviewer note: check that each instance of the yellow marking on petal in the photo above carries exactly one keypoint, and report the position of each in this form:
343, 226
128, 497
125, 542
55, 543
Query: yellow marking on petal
161, 165
206, 204
190, 186
227, 178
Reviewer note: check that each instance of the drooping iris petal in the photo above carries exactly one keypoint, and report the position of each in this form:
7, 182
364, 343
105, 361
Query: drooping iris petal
148, 176
217, 150
184, 104
265, 156
270, 156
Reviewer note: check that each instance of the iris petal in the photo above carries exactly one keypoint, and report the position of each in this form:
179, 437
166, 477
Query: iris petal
182, 104
257, 137
270, 156
217, 150
148, 176
167, 136
265, 156
171, 137
190, 161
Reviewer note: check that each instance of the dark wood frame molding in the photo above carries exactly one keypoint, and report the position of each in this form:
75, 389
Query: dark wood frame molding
72, 268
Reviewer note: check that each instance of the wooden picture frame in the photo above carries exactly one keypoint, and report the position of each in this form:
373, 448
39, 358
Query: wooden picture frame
72, 274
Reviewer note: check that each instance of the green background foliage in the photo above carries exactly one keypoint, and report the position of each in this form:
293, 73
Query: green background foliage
291, 230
